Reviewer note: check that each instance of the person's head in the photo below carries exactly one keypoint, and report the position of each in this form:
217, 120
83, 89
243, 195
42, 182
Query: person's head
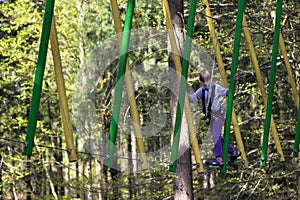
205, 77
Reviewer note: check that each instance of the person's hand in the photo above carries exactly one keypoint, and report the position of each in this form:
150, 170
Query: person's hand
236, 77
206, 117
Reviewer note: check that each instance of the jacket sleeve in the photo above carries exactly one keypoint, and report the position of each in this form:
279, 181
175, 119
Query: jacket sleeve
224, 91
221, 91
196, 96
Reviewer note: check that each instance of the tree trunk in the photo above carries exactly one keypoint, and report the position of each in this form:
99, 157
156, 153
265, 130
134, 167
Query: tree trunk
77, 174
183, 182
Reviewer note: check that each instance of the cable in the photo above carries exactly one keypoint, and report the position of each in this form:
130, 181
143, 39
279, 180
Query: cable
218, 21
97, 155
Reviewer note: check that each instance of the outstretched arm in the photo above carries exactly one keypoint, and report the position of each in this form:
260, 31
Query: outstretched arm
196, 96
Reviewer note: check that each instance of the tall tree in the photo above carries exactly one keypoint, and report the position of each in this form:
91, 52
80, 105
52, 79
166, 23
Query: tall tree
183, 180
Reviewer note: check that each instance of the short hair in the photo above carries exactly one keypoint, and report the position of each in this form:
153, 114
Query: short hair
204, 75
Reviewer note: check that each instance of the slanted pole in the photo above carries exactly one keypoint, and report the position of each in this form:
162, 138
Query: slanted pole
186, 58
176, 58
60, 82
113, 129
287, 64
175, 53
130, 90
38, 79
261, 86
182, 92
222, 72
235, 59
263, 160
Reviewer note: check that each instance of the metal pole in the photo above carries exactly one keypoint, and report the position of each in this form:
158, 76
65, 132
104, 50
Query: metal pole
175, 53
120, 82
235, 59
38, 80
263, 160
182, 86
130, 90
176, 58
287, 64
261, 86
60, 82
222, 72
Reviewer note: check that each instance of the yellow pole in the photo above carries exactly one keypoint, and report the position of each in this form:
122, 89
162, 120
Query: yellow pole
261, 87
287, 64
62, 93
189, 118
224, 80
130, 90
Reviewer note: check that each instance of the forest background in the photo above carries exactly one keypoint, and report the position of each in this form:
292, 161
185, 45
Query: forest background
82, 27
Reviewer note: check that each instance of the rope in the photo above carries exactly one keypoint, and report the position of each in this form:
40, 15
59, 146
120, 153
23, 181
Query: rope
96, 155
218, 19
212, 70
119, 157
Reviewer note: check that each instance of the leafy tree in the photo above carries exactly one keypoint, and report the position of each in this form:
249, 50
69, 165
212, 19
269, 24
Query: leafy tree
82, 27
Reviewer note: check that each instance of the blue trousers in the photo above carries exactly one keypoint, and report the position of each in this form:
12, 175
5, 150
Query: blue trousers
216, 126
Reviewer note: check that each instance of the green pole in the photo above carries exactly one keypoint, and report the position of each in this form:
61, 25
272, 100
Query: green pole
297, 136
182, 87
235, 59
38, 80
120, 82
263, 159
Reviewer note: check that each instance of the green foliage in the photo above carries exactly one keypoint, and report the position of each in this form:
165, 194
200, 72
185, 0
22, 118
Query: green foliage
257, 183
82, 27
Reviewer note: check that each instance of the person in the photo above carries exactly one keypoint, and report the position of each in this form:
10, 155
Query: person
210, 94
